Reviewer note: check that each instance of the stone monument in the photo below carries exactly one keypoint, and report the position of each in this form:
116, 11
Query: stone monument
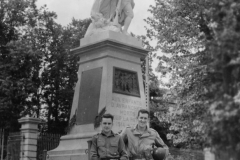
114, 15
109, 81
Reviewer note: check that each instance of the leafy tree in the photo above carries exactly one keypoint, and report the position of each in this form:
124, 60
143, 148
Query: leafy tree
200, 40
225, 51
177, 36
19, 59
154, 90
60, 73
153, 83
38, 73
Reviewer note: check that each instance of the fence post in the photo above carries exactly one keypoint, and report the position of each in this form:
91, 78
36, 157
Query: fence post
2, 143
44, 155
29, 132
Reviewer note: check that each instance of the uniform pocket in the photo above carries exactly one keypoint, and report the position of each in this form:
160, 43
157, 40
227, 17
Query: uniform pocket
101, 147
100, 143
114, 148
114, 144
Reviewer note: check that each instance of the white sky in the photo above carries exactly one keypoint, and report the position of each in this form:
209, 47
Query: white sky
80, 9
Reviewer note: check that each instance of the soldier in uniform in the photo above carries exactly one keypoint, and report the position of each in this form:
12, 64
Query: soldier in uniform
107, 145
139, 140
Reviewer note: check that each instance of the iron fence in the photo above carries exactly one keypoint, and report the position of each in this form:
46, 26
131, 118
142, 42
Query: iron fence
46, 142
10, 144
14, 146
3, 143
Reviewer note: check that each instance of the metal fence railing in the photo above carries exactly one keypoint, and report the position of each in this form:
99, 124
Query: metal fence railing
10, 144
13, 146
46, 142
2, 144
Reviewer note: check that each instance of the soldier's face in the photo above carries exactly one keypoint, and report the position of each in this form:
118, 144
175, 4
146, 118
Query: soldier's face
107, 125
143, 119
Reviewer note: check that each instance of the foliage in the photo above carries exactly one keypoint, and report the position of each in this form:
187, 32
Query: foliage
38, 73
19, 58
59, 73
178, 39
200, 40
152, 79
225, 51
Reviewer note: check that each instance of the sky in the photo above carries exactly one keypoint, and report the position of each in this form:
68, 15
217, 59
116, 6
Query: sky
80, 9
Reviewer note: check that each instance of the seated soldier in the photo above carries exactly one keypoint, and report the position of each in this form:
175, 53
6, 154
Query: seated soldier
107, 145
140, 139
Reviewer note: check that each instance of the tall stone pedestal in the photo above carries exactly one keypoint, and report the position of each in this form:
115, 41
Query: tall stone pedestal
109, 81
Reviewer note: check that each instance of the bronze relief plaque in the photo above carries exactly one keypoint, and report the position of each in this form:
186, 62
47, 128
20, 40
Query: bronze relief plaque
125, 82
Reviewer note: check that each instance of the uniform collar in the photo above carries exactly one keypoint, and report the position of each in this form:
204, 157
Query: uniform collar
136, 132
111, 135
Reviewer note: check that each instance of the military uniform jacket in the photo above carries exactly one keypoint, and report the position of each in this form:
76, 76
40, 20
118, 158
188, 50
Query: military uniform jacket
136, 142
107, 147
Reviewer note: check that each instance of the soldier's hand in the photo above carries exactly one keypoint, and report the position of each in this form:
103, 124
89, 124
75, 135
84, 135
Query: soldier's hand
148, 147
148, 152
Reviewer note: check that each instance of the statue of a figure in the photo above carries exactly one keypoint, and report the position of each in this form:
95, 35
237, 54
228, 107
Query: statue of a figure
111, 15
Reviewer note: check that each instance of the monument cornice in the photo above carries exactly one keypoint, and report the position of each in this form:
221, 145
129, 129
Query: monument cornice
110, 44
107, 56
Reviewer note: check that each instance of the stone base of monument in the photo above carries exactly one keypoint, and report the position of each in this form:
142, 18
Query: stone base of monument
109, 81
71, 147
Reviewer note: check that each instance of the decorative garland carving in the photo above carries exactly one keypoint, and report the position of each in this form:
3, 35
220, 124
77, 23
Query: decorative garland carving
98, 118
72, 122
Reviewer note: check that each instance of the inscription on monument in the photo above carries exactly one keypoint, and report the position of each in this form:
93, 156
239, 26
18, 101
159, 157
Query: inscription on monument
125, 82
125, 111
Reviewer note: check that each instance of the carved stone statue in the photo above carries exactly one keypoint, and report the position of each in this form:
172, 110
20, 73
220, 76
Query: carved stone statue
111, 15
